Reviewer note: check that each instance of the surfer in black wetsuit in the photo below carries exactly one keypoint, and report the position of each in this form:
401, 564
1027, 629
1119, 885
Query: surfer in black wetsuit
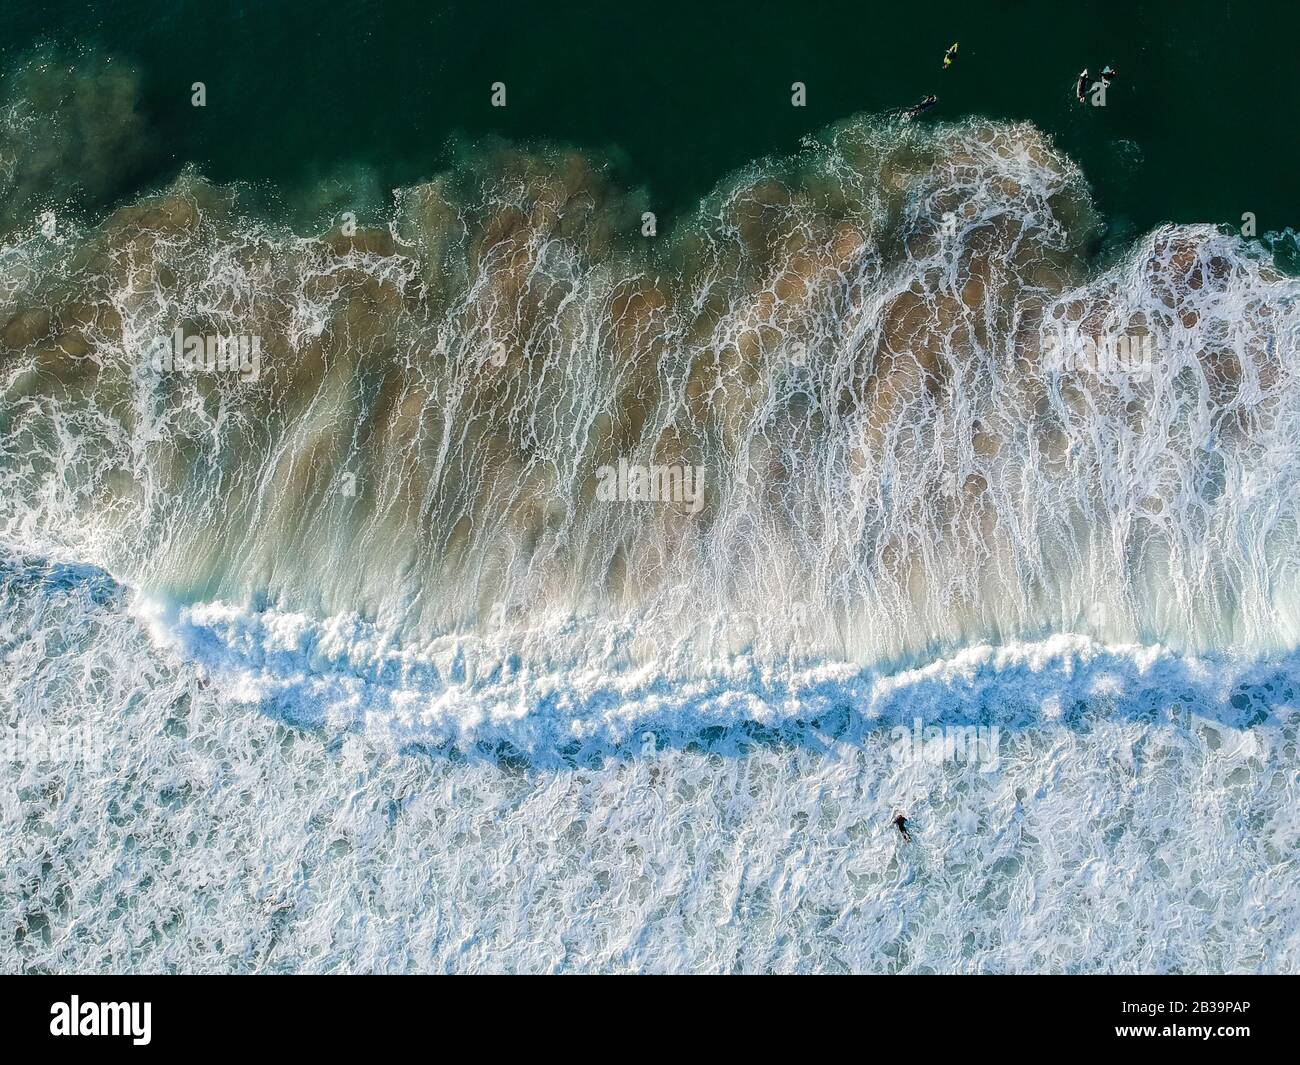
1108, 74
919, 109
1081, 88
900, 822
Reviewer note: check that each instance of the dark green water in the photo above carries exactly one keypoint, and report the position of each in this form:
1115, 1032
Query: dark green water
1197, 127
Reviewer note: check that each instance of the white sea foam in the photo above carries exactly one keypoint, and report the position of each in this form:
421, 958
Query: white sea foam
1143, 815
467, 692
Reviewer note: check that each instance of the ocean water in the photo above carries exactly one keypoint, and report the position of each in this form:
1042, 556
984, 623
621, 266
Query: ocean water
343, 657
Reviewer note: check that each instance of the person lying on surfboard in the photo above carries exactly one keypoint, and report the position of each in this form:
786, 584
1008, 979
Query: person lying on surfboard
1081, 89
919, 109
950, 55
900, 822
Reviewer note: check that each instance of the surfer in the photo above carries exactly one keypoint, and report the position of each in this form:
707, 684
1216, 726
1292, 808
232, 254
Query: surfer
950, 55
1081, 88
900, 822
919, 109
1108, 74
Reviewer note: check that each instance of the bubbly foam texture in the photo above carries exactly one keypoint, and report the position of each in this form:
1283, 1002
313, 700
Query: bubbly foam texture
1143, 817
480, 694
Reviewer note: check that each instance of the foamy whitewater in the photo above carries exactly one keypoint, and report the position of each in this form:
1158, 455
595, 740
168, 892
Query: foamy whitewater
357, 657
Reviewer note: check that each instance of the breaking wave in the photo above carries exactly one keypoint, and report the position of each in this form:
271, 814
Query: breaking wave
1141, 815
847, 347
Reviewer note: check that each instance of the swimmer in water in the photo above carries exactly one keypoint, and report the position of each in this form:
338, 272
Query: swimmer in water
900, 822
1081, 88
950, 55
919, 109
1108, 74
